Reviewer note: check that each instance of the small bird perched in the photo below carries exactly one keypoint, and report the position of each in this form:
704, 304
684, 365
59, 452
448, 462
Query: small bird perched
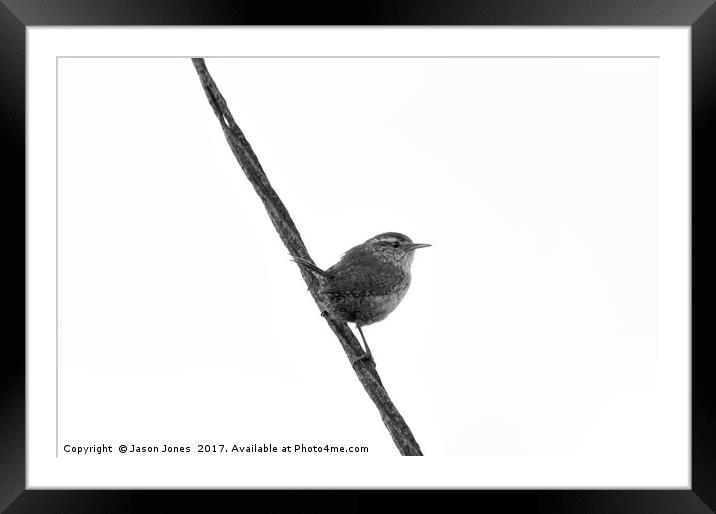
368, 282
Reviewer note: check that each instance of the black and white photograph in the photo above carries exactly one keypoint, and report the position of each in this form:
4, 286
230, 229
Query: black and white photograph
287, 257
480, 238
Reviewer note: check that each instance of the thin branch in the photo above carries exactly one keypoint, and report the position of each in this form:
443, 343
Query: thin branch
287, 231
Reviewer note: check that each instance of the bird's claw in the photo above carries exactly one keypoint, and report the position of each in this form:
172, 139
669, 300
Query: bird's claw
366, 356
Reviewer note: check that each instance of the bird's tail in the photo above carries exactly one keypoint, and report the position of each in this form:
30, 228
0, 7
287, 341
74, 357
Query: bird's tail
304, 263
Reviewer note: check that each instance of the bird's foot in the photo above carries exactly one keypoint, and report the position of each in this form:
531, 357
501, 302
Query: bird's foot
366, 356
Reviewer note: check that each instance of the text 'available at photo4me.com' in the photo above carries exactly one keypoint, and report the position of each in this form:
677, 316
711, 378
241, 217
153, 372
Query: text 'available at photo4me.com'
231, 449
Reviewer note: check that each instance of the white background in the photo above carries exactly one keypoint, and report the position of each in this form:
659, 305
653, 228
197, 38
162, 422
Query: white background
545, 335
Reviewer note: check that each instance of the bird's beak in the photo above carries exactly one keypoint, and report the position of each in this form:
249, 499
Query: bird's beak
415, 246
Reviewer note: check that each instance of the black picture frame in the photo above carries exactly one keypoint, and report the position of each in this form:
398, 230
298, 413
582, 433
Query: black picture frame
17, 15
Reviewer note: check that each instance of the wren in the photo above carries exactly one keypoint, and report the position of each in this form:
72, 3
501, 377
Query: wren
368, 282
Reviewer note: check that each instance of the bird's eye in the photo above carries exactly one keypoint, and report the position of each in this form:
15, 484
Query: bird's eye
396, 244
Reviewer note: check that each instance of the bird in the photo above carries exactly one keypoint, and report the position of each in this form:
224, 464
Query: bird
367, 283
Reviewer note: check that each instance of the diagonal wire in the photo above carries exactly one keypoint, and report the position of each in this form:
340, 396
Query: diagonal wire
287, 231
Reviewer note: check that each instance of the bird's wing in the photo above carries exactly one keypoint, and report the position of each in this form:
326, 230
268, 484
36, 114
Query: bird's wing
358, 279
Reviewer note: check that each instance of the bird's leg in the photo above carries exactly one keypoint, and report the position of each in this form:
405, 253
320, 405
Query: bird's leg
367, 354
